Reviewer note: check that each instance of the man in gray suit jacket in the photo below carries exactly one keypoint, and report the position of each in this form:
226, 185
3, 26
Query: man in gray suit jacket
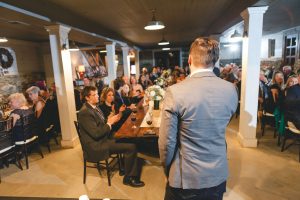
95, 132
192, 134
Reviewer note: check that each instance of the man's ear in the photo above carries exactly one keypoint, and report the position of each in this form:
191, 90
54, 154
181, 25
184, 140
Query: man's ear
190, 60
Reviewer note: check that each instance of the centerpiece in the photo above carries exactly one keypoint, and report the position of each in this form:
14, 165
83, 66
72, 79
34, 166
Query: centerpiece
155, 93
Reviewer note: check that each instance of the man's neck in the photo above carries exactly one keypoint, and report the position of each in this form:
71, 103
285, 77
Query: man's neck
91, 104
200, 69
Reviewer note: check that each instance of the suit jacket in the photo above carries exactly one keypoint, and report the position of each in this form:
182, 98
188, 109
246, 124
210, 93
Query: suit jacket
94, 134
292, 105
192, 134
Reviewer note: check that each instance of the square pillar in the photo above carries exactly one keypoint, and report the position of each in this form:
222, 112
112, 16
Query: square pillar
137, 64
126, 61
111, 63
62, 69
253, 18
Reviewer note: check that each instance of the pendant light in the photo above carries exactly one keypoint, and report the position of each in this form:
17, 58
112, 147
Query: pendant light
163, 41
154, 24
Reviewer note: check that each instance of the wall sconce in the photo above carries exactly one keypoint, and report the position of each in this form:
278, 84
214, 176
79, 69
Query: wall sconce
3, 39
81, 71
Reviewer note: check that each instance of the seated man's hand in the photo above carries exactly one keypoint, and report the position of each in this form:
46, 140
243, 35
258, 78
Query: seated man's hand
122, 108
113, 119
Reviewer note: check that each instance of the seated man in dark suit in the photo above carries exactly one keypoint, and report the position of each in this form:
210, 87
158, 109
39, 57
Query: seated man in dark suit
292, 105
95, 131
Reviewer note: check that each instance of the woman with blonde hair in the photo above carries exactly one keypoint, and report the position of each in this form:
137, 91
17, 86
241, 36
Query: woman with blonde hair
38, 101
18, 104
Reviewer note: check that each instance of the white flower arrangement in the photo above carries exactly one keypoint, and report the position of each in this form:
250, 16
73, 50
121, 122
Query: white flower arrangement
155, 92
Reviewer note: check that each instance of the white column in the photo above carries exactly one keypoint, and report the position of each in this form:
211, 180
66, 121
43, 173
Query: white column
62, 69
137, 64
253, 22
126, 61
111, 63
180, 58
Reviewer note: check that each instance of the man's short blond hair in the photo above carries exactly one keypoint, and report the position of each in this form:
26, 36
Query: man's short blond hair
204, 52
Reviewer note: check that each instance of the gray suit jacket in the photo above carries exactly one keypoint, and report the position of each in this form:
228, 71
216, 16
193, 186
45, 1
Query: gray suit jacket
195, 115
94, 134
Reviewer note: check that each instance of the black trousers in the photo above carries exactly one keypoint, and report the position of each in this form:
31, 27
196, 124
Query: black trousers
130, 156
213, 193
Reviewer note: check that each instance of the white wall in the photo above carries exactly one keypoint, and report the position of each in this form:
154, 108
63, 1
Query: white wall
28, 55
278, 37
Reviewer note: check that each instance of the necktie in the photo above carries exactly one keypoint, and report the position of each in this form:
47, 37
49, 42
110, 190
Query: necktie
100, 114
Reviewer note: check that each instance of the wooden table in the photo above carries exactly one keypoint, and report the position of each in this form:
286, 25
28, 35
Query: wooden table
126, 130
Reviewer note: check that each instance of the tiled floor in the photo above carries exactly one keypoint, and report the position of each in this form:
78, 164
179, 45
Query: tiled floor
255, 173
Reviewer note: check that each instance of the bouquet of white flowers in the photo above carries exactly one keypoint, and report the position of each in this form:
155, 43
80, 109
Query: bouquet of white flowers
155, 92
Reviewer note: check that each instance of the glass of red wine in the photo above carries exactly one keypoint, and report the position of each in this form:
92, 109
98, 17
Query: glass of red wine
133, 120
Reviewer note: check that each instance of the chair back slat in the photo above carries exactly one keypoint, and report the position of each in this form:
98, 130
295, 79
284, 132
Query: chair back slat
6, 139
29, 125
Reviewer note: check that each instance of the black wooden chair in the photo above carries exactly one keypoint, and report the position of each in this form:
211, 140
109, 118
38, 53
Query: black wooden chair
291, 133
48, 125
108, 164
30, 137
7, 146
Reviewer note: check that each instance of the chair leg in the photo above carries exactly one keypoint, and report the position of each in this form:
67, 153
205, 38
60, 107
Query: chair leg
48, 146
56, 141
279, 140
108, 172
283, 143
84, 171
39, 149
19, 165
26, 157
275, 133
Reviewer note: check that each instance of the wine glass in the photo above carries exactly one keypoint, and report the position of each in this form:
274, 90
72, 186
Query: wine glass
149, 121
133, 120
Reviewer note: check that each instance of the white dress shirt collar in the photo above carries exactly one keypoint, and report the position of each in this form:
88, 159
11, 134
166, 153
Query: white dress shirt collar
210, 69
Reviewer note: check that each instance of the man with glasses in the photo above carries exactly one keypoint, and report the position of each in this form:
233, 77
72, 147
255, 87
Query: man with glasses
95, 131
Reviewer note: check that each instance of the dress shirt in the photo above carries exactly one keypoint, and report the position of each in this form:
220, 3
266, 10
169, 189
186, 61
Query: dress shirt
210, 69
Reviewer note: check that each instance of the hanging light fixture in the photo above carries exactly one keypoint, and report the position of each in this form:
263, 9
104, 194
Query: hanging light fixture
3, 39
73, 47
163, 41
154, 24
236, 34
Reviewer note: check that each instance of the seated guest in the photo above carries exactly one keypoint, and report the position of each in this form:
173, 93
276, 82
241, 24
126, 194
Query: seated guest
136, 90
95, 131
121, 92
38, 101
18, 103
276, 88
292, 105
292, 80
145, 81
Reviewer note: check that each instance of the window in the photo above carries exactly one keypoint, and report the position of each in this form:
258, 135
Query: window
271, 52
290, 50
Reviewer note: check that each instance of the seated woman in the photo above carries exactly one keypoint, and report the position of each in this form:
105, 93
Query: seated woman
108, 108
145, 81
38, 107
38, 101
18, 103
136, 90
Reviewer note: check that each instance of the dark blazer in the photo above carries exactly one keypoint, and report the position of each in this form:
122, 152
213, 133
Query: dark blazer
94, 134
292, 105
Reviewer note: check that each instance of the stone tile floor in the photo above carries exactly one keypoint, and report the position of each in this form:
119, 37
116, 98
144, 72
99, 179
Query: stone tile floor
255, 173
